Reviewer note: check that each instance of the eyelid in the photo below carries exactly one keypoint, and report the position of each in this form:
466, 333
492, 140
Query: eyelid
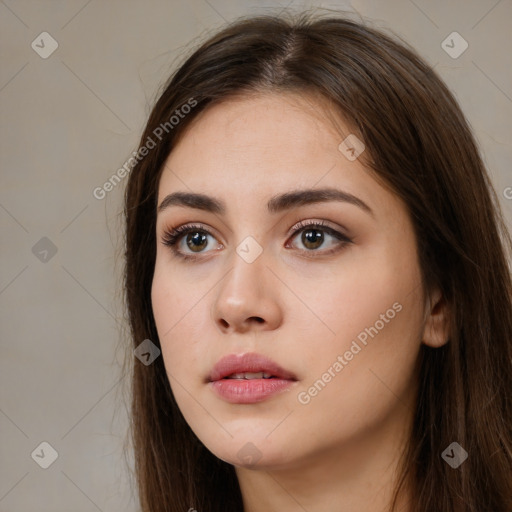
179, 232
321, 223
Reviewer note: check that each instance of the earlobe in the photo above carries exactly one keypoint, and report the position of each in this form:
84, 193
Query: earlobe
436, 330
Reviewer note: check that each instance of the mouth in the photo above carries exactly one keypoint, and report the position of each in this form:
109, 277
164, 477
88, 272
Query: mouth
248, 378
248, 366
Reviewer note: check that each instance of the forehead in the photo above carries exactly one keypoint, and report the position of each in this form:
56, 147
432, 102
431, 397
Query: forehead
278, 111
266, 132
247, 149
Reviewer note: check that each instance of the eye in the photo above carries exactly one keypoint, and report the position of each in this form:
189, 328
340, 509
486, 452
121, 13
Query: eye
195, 238
313, 237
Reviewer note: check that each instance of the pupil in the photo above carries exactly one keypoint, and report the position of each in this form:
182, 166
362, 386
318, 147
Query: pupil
197, 241
313, 236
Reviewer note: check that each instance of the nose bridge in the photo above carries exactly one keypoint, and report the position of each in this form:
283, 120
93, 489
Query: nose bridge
248, 259
243, 284
245, 296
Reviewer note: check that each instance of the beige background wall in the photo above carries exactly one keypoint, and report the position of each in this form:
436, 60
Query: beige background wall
68, 122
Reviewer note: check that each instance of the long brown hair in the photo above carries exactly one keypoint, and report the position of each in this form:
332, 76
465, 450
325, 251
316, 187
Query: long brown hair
420, 145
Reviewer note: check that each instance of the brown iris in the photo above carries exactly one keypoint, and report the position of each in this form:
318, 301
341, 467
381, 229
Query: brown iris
196, 238
312, 236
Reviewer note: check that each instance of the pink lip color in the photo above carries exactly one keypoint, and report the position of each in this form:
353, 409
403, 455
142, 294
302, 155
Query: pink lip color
248, 391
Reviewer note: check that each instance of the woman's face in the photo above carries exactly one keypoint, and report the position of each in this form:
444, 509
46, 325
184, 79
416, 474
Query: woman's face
337, 308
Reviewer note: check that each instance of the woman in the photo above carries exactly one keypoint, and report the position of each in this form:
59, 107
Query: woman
314, 245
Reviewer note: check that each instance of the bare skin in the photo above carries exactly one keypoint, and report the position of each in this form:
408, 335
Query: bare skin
303, 303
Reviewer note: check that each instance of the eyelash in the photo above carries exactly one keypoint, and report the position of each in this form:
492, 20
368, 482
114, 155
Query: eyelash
172, 237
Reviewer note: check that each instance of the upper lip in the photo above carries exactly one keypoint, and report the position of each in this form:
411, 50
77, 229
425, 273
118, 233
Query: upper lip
248, 362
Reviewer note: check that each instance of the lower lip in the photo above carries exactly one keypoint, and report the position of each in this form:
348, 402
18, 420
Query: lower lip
249, 391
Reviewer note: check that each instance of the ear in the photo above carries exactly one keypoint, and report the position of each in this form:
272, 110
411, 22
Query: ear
436, 329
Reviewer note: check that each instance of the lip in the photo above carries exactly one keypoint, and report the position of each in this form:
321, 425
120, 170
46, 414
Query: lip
246, 391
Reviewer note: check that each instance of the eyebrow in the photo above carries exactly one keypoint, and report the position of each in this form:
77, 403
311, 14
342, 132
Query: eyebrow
276, 204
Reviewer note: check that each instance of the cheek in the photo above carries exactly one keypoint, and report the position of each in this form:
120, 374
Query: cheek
367, 367
375, 296
175, 310
366, 287
181, 320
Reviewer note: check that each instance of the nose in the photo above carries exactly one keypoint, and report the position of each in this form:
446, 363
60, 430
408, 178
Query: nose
247, 298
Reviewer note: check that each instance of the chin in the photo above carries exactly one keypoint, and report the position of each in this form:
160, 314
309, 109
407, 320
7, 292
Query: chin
252, 450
